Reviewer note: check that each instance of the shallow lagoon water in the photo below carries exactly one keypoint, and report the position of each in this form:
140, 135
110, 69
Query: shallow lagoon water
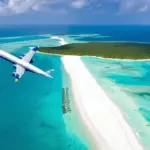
27, 117
127, 84
31, 116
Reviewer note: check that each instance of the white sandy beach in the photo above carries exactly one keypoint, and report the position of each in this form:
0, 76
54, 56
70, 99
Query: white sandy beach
131, 60
101, 117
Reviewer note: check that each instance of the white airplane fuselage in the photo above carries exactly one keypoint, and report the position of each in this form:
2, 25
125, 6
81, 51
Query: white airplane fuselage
22, 63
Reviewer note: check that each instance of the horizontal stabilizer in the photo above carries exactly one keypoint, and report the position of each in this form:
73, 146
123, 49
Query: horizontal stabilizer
34, 48
49, 71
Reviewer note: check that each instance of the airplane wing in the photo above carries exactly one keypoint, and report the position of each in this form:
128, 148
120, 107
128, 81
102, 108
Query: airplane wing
29, 55
28, 58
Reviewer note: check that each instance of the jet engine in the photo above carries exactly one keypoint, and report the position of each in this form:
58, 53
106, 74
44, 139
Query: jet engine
31, 61
14, 66
13, 74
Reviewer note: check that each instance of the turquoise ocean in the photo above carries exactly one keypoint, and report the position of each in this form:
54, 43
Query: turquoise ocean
127, 83
31, 116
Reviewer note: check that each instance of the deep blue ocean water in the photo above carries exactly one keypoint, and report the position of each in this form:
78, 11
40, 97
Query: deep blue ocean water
110, 33
31, 111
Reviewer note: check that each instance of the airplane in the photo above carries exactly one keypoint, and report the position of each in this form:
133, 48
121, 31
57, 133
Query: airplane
24, 63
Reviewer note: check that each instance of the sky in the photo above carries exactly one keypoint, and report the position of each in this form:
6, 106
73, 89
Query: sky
75, 12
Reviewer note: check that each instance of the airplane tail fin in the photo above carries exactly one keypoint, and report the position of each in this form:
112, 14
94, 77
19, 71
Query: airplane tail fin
49, 72
34, 48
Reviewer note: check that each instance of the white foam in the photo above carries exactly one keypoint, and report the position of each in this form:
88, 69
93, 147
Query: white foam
62, 41
121, 59
103, 120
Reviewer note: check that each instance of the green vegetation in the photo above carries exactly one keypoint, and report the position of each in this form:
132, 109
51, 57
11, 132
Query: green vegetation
106, 49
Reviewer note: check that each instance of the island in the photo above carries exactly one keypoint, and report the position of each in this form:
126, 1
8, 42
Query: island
121, 50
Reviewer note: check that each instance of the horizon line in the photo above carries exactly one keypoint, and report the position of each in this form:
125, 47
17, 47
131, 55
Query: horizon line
76, 24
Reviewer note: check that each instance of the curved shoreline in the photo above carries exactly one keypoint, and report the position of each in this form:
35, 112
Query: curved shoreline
63, 42
117, 59
102, 118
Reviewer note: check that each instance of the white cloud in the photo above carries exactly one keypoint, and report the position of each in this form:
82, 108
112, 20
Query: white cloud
21, 6
144, 8
3, 9
134, 6
78, 4
119, 6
